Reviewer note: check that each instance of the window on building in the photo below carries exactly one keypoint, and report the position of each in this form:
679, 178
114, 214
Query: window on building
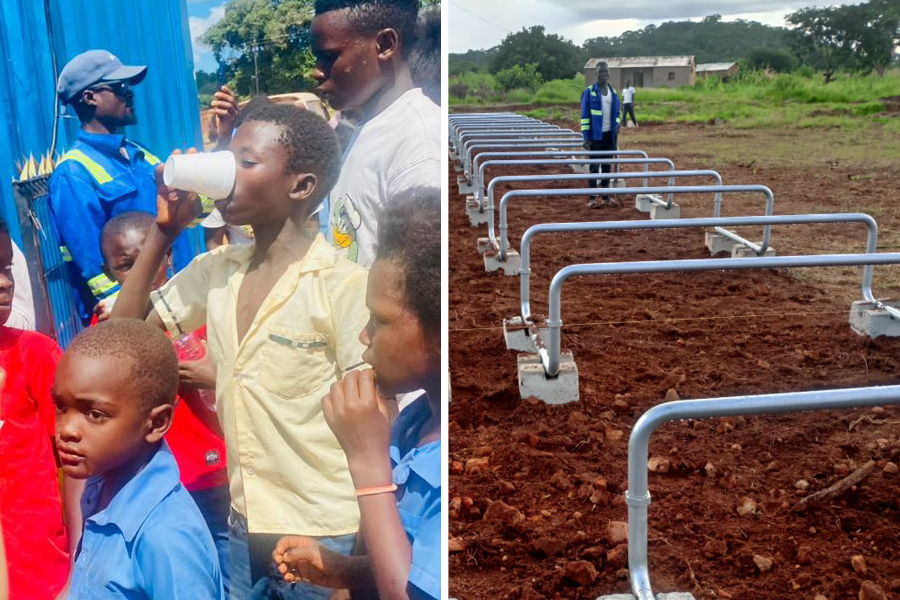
671, 76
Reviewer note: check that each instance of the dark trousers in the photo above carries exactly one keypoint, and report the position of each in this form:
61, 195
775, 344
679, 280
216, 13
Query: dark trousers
628, 109
603, 144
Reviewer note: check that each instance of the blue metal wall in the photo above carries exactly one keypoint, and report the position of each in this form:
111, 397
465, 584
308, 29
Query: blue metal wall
154, 33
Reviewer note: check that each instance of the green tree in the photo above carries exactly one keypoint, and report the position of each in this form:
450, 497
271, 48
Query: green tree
555, 56
265, 37
780, 61
518, 76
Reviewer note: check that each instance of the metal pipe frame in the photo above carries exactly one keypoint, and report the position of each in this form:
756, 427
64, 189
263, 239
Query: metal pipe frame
478, 171
520, 144
525, 250
645, 175
465, 130
550, 355
687, 189
459, 131
493, 135
456, 127
637, 496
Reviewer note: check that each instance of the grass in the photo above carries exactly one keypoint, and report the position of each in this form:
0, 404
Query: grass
756, 101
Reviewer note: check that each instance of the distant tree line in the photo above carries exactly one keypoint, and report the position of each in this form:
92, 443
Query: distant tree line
857, 38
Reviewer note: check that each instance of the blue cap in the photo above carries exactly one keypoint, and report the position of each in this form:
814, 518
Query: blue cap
93, 67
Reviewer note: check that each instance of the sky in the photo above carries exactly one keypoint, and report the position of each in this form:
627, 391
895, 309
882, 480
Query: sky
479, 24
203, 14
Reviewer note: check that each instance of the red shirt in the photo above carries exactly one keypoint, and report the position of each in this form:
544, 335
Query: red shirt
30, 502
199, 452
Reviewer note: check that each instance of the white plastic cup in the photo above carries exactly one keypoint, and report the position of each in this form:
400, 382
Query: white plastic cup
210, 174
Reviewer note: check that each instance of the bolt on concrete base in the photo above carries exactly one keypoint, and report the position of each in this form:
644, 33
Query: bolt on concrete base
533, 381
485, 245
476, 217
518, 335
716, 242
744, 251
669, 596
869, 320
510, 266
659, 211
643, 202
464, 186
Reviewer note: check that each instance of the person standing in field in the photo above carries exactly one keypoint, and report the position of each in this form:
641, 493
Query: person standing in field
628, 102
362, 50
600, 120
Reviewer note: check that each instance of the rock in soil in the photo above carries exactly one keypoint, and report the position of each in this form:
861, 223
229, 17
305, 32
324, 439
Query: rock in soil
476, 465
891, 468
455, 544
616, 533
804, 555
858, 563
529, 593
618, 556
869, 590
502, 512
658, 464
549, 546
581, 572
746, 506
762, 563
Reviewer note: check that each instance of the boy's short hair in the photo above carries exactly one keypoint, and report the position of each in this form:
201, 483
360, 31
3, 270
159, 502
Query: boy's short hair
425, 55
152, 361
127, 221
254, 103
311, 143
409, 232
368, 17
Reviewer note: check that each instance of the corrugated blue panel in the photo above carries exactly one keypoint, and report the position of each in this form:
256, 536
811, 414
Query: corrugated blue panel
154, 33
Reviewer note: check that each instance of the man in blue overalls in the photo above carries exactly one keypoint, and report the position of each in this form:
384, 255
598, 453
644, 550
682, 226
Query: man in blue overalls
600, 121
103, 174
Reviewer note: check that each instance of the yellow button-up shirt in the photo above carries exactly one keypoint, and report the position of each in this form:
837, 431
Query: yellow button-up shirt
287, 472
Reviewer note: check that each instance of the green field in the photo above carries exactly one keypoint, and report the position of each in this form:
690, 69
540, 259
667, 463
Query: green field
757, 100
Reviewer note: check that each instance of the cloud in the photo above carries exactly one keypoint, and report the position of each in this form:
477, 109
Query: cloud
199, 26
656, 11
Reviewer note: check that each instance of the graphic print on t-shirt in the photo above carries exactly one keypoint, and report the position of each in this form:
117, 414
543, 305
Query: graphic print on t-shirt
346, 221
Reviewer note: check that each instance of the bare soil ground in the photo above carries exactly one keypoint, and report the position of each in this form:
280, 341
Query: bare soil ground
638, 338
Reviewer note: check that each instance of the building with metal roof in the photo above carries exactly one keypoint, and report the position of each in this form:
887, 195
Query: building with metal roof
722, 70
645, 71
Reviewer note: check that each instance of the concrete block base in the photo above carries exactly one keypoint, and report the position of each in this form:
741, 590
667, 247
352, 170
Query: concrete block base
464, 186
669, 596
869, 320
510, 266
517, 335
533, 381
581, 169
619, 183
659, 211
454, 155
457, 167
744, 251
476, 218
716, 242
643, 202
484, 245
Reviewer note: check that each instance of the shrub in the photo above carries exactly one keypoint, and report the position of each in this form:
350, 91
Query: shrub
519, 76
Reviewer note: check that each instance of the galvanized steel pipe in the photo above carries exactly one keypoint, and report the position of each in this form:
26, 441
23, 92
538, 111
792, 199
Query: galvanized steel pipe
637, 496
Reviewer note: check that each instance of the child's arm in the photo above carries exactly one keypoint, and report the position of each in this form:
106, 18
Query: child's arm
361, 423
175, 210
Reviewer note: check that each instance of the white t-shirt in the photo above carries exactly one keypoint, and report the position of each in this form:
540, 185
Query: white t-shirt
21, 315
628, 95
606, 103
396, 150
236, 234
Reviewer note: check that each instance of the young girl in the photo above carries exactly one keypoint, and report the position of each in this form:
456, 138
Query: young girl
396, 470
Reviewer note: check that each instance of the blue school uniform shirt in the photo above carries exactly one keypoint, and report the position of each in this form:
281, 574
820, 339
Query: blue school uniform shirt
150, 542
92, 183
417, 474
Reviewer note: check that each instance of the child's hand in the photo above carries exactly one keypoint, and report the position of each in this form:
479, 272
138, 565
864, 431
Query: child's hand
175, 209
358, 416
225, 108
301, 558
199, 373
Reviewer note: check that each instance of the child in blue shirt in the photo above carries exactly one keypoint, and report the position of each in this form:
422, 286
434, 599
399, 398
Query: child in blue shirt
143, 535
396, 470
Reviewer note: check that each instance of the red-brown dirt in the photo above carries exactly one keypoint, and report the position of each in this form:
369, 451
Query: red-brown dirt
635, 339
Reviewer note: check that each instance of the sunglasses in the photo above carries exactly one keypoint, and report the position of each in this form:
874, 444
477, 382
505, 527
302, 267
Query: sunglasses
119, 88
